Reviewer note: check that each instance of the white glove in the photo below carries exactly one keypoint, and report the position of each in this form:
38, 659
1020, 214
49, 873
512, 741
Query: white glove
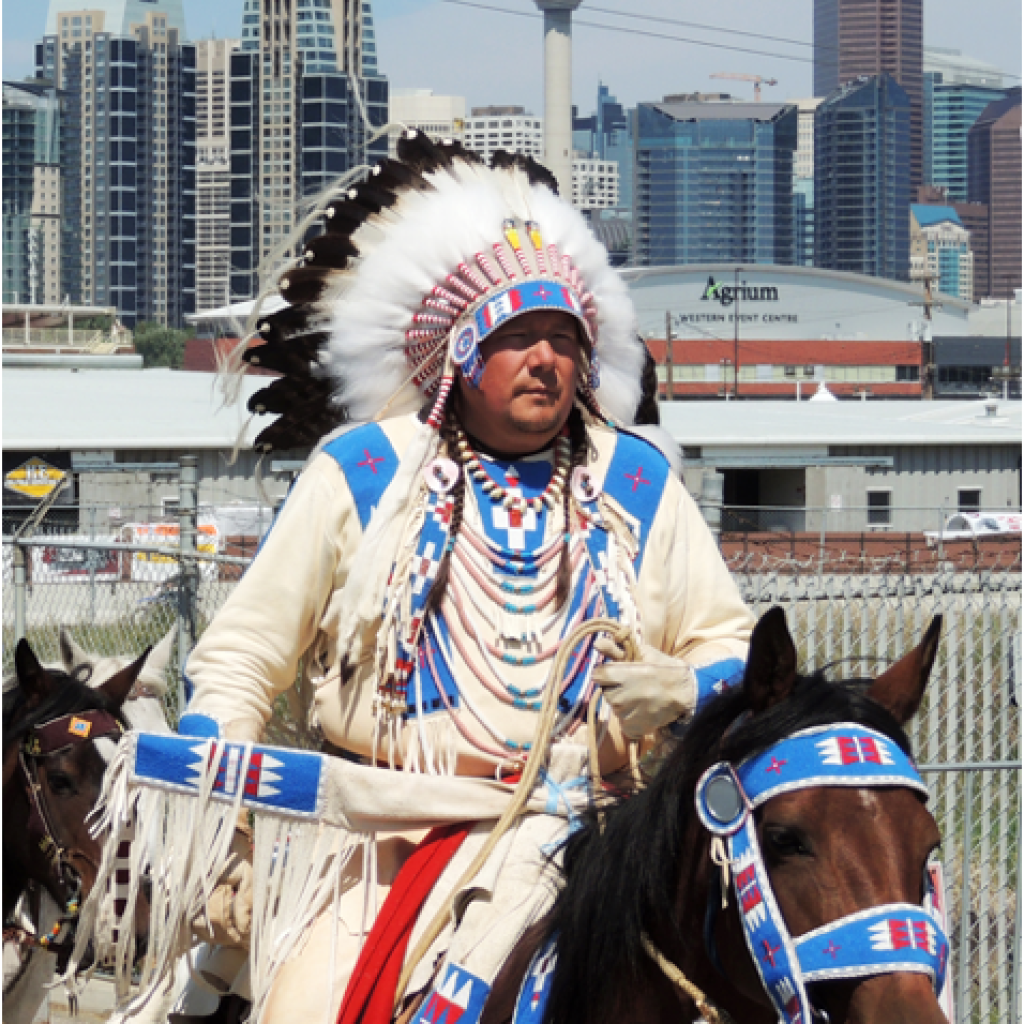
648, 694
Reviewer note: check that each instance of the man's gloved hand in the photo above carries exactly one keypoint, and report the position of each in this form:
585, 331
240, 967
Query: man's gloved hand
648, 694
228, 917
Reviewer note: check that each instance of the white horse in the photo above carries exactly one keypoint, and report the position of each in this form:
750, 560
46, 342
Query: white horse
28, 971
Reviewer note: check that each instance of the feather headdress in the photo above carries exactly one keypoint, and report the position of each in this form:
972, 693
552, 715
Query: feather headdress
417, 265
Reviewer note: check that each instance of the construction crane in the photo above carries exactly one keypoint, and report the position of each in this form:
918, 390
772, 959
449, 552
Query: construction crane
756, 79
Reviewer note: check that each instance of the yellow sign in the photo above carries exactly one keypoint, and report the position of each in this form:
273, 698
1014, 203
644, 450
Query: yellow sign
34, 479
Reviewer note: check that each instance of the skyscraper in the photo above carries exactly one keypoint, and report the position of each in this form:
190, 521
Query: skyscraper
714, 182
956, 90
803, 184
994, 178
129, 81
862, 179
304, 75
607, 135
854, 38
213, 173
37, 239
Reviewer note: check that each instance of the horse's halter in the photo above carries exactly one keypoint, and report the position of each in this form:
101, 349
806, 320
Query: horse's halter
896, 937
47, 740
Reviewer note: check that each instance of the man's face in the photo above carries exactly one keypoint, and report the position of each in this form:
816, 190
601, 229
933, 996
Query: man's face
531, 365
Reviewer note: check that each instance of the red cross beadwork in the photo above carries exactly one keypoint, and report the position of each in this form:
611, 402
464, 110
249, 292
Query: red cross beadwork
776, 766
372, 460
638, 478
831, 949
769, 952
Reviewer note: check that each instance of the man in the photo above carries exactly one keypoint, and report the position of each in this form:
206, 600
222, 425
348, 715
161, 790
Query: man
430, 561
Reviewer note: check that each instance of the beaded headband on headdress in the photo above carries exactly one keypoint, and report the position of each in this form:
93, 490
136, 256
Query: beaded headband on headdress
521, 275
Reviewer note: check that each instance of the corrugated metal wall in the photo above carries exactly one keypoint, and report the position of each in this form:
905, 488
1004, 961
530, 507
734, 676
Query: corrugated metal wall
221, 480
924, 483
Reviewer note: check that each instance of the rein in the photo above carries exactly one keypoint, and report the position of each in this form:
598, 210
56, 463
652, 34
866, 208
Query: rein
42, 741
542, 740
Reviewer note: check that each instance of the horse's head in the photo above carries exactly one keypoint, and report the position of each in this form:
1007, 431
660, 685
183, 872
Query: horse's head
144, 706
644, 878
59, 734
833, 850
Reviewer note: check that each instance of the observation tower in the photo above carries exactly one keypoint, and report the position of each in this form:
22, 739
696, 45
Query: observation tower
558, 90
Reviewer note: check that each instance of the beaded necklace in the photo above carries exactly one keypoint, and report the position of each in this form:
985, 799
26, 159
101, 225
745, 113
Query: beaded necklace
551, 495
498, 590
586, 652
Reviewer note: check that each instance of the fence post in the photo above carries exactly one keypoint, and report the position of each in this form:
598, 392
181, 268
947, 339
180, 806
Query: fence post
963, 984
187, 568
1015, 984
20, 588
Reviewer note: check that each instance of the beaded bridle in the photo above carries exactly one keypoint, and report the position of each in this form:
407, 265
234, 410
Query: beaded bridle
896, 937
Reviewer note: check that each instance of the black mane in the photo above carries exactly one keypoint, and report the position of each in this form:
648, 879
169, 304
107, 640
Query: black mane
70, 695
620, 880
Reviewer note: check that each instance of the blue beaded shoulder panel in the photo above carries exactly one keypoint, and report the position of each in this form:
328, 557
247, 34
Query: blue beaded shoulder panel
369, 462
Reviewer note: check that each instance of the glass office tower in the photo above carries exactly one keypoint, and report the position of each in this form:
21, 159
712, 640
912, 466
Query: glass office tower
714, 182
862, 179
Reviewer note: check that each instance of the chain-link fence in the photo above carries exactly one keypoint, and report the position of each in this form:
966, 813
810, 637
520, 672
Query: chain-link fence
966, 738
118, 598
114, 598
222, 529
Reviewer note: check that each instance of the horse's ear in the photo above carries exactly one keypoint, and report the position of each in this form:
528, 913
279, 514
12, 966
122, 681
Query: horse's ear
71, 655
771, 664
36, 683
154, 675
900, 688
119, 685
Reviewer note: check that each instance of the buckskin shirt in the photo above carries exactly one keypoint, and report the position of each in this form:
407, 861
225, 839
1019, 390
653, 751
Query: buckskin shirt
464, 699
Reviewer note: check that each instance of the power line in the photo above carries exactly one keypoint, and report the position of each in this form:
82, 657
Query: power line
637, 32
685, 39
708, 28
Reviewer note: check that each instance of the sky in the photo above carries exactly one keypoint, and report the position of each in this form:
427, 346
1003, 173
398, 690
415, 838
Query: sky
490, 51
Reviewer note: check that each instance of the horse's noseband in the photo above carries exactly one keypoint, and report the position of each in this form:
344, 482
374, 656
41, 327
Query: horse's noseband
47, 740
893, 938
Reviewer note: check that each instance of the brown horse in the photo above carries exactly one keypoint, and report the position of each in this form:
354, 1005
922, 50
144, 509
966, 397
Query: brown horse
59, 734
639, 878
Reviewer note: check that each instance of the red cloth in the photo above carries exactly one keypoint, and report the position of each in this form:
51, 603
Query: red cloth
370, 996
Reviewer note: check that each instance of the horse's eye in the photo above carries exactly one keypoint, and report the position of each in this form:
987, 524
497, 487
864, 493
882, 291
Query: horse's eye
785, 842
60, 784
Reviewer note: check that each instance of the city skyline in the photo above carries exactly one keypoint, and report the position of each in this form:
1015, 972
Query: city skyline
442, 45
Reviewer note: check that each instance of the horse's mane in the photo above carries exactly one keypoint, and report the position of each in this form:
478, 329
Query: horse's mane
622, 869
70, 694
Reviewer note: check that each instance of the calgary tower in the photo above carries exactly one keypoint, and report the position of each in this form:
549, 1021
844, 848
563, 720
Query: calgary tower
558, 90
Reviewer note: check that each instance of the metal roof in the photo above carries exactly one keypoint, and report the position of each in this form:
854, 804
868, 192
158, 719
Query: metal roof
926, 216
683, 110
817, 425
85, 410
